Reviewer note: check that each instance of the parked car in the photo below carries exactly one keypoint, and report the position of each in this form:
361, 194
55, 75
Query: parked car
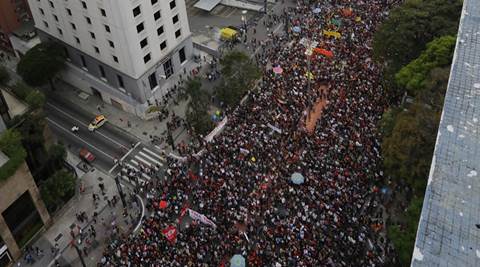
86, 155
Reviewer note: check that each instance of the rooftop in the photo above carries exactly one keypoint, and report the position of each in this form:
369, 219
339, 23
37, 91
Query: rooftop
447, 233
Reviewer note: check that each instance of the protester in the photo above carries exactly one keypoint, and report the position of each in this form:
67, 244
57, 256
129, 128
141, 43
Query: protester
242, 180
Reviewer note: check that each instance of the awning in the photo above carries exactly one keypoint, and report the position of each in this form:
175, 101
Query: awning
207, 5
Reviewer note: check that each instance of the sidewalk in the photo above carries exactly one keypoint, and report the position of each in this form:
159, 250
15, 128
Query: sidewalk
65, 221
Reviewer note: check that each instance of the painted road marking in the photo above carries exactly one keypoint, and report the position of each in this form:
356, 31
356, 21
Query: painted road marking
143, 161
78, 137
150, 158
86, 125
123, 158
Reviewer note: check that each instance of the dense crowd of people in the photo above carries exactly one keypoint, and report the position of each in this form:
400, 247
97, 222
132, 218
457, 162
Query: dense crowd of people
242, 181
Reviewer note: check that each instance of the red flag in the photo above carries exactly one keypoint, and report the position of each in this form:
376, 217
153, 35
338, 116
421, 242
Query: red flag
170, 233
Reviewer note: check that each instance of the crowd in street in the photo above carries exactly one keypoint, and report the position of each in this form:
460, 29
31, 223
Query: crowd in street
242, 182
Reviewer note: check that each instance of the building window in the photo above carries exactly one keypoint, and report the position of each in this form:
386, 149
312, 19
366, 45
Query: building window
69, 12
102, 71
163, 45
51, 4
168, 68
178, 33
136, 11
111, 44
156, 16
160, 30
175, 19
173, 4
67, 55
102, 11
147, 58
73, 26
89, 21
120, 81
152, 80
84, 4
78, 40
92, 35
60, 31
107, 28
115, 59
45, 24
181, 55
84, 64
41, 11
140, 27
143, 43
96, 50
154, 2
55, 17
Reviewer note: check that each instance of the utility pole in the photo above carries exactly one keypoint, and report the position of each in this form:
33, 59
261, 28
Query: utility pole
120, 191
79, 254
265, 6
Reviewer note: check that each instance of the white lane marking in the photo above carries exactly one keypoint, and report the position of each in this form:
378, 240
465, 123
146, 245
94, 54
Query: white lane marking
132, 167
141, 217
70, 132
159, 148
146, 176
86, 125
123, 158
134, 162
150, 158
154, 154
143, 161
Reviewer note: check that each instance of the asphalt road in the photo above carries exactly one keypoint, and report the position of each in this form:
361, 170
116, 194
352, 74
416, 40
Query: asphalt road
106, 143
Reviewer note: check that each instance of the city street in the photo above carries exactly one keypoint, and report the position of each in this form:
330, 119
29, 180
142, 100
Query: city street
107, 143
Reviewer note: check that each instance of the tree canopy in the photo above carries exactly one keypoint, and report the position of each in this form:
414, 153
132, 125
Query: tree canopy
57, 189
41, 63
409, 27
407, 151
197, 110
438, 54
238, 75
4, 76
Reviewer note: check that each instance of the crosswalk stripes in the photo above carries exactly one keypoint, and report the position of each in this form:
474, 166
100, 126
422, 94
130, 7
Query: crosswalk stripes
142, 156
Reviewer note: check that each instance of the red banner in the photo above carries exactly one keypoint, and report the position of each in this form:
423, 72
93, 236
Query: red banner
170, 233
324, 52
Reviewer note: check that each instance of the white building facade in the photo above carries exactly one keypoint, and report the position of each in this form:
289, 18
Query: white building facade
123, 51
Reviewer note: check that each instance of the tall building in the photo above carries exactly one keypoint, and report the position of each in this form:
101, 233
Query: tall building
123, 51
22, 212
13, 13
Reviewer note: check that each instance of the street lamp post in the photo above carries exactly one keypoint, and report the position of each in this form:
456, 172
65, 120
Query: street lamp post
120, 191
79, 254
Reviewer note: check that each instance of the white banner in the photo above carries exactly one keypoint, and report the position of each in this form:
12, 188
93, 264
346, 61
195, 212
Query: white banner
217, 130
200, 217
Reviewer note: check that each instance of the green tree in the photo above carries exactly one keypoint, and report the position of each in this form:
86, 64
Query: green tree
408, 28
35, 99
10, 144
407, 152
57, 189
403, 237
238, 76
197, 110
4, 76
434, 88
41, 63
438, 54
33, 141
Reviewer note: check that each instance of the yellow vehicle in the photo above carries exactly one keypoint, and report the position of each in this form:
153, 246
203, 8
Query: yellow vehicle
229, 34
97, 123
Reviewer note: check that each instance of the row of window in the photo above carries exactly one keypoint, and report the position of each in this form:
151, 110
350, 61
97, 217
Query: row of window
168, 70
